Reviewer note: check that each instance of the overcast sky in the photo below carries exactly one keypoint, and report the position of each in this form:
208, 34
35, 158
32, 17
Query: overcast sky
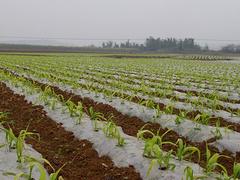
117, 19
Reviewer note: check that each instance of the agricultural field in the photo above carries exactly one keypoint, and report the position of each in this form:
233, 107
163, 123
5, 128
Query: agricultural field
89, 116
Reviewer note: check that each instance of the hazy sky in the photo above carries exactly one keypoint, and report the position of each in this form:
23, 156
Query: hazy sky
114, 19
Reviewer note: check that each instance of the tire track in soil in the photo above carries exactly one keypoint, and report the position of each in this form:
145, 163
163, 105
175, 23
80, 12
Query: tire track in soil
58, 145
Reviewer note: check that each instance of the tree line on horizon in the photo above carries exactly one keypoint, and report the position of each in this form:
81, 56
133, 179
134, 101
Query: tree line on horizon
155, 44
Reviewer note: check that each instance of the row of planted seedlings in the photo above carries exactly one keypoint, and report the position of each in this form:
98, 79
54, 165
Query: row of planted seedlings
213, 104
28, 164
210, 99
179, 142
212, 69
222, 83
163, 81
223, 92
184, 81
183, 77
204, 57
200, 117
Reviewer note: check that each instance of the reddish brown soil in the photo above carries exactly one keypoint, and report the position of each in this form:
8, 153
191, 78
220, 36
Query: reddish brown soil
58, 145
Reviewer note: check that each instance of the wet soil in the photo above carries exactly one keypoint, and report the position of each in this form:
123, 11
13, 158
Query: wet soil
58, 145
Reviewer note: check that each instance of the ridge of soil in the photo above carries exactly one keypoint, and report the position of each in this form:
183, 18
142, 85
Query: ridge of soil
58, 145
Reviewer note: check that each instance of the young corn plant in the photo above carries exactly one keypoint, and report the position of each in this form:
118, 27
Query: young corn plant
17, 142
184, 151
20, 143
95, 117
158, 112
235, 175
163, 160
212, 162
10, 138
236, 171
188, 171
110, 130
151, 143
71, 107
189, 174
169, 108
202, 118
79, 112
52, 103
32, 163
180, 118
148, 103
217, 132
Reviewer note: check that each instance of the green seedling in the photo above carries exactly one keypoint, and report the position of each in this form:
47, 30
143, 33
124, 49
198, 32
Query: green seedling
180, 118
20, 143
79, 112
110, 130
71, 108
212, 161
10, 138
189, 174
32, 162
217, 133
163, 160
150, 143
148, 103
158, 112
184, 151
52, 103
95, 117
202, 118
188, 171
236, 171
169, 109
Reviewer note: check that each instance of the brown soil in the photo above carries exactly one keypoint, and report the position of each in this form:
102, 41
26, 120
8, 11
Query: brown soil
58, 145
